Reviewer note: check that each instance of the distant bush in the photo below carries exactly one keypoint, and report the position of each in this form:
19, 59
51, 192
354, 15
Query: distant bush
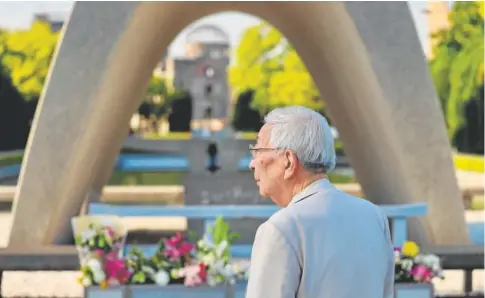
245, 117
180, 111
14, 116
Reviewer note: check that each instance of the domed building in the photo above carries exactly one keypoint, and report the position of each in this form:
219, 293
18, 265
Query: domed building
203, 71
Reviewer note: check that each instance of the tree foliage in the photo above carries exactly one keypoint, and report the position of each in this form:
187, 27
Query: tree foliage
268, 64
26, 56
157, 87
14, 116
457, 66
180, 111
245, 118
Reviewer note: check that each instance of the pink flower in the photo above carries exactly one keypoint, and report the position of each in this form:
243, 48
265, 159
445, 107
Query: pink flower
172, 252
115, 269
175, 247
186, 247
194, 275
421, 273
174, 240
99, 252
110, 232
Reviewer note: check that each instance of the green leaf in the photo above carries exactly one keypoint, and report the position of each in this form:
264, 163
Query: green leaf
267, 63
457, 66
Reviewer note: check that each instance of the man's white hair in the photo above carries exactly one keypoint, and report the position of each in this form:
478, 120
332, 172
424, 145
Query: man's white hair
306, 133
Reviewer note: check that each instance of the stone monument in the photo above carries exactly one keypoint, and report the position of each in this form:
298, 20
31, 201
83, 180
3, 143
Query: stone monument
365, 58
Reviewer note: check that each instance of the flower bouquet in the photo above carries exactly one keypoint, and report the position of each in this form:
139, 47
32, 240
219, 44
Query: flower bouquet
176, 267
171, 255
411, 266
100, 241
177, 261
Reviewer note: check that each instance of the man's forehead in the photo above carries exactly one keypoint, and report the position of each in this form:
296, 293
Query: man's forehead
263, 134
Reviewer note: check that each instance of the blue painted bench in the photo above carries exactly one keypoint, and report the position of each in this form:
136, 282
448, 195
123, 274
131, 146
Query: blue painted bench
398, 215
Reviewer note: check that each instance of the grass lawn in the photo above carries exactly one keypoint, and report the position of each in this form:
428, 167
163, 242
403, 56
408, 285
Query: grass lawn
175, 178
477, 203
169, 136
146, 178
11, 159
468, 162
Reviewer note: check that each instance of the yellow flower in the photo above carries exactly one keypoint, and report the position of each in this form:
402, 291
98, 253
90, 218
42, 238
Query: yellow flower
104, 284
410, 249
80, 279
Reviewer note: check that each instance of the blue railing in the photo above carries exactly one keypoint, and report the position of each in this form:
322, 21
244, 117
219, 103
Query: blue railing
398, 214
142, 163
151, 162
162, 163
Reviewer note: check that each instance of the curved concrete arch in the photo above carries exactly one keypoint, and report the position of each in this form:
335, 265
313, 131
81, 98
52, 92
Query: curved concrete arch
376, 86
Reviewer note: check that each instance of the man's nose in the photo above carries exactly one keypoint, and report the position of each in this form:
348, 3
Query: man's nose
251, 164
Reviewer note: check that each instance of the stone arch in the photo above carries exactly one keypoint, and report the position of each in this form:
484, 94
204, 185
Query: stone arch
378, 91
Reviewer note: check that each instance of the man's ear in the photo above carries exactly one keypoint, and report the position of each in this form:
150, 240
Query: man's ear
291, 164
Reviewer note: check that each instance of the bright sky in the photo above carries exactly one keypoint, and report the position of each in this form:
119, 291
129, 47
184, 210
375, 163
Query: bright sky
18, 14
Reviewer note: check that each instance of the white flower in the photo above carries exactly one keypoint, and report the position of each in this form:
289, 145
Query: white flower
87, 234
407, 265
229, 271
211, 281
205, 243
218, 266
86, 282
431, 261
208, 259
94, 264
419, 259
221, 247
98, 276
149, 270
162, 278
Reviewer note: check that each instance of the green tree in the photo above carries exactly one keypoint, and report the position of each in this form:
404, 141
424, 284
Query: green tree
457, 66
157, 87
180, 114
268, 64
245, 118
26, 56
157, 98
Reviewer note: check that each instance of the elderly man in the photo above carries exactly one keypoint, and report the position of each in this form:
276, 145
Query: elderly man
323, 243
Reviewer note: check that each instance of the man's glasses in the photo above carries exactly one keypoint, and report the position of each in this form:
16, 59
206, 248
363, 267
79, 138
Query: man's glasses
253, 149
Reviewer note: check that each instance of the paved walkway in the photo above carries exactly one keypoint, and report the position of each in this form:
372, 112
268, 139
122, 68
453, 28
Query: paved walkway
470, 178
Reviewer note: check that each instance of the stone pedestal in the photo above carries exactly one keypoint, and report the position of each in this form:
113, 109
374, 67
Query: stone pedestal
230, 185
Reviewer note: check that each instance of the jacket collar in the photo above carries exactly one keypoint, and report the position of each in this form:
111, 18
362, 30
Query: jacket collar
316, 186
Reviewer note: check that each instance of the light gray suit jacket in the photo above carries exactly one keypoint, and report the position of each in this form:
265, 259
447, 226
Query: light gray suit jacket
324, 244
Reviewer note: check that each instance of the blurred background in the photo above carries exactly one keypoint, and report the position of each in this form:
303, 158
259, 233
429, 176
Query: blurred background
220, 76
226, 71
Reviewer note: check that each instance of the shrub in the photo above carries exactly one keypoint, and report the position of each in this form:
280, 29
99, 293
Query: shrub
245, 117
181, 111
